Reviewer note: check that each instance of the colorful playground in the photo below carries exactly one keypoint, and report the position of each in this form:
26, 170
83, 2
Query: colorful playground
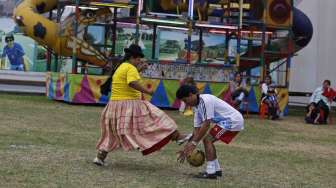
167, 93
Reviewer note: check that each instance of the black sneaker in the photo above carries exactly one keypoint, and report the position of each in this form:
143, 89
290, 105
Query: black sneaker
98, 162
205, 175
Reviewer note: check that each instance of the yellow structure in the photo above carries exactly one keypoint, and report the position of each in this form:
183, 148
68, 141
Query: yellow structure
60, 37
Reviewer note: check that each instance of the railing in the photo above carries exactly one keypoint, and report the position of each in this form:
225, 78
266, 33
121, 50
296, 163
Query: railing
22, 82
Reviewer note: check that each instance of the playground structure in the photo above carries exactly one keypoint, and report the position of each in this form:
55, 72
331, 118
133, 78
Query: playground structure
264, 32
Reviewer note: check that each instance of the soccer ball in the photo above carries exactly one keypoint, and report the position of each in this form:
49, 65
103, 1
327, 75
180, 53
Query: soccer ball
196, 158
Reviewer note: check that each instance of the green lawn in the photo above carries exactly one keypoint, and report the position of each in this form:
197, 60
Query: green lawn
44, 143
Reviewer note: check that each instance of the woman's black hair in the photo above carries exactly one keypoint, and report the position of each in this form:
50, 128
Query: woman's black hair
106, 87
134, 51
128, 56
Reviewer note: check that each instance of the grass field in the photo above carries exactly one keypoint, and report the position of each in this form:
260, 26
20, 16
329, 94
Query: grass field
45, 143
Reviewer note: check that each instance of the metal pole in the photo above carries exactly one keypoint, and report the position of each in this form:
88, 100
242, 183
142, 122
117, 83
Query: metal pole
138, 14
290, 50
240, 26
226, 50
56, 62
114, 31
49, 50
154, 41
190, 22
262, 53
229, 11
289, 57
241, 2
74, 49
34, 57
200, 50
58, 19
189, 42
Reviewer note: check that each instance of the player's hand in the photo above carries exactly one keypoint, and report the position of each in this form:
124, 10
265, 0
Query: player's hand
181, 158
187, 150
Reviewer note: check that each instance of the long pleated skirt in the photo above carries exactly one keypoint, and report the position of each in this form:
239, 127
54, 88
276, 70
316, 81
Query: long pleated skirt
134, 124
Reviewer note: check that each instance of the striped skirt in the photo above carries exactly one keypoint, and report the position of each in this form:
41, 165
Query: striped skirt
134, 124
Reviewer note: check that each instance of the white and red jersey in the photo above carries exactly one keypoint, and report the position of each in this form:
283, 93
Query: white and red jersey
219, 112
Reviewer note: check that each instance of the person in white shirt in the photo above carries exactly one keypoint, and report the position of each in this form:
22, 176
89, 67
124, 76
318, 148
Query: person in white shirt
321, 100
265, 85
210, 111
238, 90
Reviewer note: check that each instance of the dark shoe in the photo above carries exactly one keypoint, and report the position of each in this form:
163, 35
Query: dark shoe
218, 173
98, 162
100, 158
275, 117
204, 175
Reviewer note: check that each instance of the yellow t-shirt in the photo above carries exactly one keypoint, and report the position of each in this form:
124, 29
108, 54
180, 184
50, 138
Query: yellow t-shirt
125, 74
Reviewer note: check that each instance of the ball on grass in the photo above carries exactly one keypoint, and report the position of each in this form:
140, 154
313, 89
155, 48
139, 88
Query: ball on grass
196, 158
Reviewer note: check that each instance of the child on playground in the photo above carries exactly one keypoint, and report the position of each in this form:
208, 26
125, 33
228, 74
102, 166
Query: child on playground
224, 122
272, 102
238, 90
128, 122
313, 114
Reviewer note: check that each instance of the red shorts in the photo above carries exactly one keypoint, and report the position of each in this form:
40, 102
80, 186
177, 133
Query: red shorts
221, 134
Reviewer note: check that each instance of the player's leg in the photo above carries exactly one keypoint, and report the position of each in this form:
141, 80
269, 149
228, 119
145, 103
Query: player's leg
211, 157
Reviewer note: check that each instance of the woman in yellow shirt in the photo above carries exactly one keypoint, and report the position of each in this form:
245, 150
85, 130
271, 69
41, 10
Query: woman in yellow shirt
127, 121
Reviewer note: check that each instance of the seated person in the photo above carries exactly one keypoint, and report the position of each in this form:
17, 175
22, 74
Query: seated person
265, 85
272, 103
238, 90
330, 93
322, 101
313, 114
